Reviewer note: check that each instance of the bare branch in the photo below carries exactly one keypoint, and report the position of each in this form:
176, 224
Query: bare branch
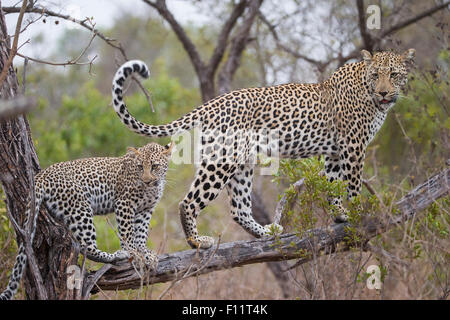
288, 246
87, 24
161, 7
84, 23
320, 65
222, 41
281, 206
13, 51
370, 42
393, 29
414, 19
367, 39
74, 61
238, 44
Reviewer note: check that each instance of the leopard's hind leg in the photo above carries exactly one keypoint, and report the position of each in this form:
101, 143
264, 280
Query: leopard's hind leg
209, 180
79, 219
141, 225
240, 191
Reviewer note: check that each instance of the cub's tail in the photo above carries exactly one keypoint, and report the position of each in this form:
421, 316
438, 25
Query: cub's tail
21, 259
186, 122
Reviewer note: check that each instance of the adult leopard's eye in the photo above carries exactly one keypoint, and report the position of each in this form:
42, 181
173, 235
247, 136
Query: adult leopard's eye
140, 166
154, 166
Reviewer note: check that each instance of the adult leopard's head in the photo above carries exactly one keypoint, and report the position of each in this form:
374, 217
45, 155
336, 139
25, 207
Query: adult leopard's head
151, 161
387, 74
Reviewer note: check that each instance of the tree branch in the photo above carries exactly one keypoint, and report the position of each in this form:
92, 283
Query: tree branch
239, 42
370, 42
222, 41
398, 26
84, 23
367, 39
87, 24
327, 240
414, 19
320, 65
161, 7
13, 51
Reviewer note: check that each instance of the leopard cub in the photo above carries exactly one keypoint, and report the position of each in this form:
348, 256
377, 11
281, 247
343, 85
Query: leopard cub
75, 191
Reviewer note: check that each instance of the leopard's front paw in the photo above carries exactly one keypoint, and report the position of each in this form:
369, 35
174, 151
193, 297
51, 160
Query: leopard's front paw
341, 218
273, 229
340, 214
202, 242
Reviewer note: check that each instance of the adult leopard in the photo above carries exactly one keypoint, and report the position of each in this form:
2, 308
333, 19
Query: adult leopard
336, 118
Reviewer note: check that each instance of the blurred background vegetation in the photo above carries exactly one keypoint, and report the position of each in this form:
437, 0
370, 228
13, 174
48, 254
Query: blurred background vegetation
74, 119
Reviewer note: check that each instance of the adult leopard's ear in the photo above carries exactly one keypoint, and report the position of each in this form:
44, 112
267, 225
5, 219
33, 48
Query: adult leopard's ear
169, 148
133, 151
367, 57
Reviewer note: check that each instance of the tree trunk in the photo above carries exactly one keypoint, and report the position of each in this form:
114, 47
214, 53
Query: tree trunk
18, 163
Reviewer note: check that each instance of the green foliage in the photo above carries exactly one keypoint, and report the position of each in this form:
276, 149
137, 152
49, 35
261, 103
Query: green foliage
313, 198
418, 127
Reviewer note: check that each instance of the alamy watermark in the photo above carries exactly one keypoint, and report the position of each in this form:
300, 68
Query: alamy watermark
230, 146
374, 18
74, 278
374, 280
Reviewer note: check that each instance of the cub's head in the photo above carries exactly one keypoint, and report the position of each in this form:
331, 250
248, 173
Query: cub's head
387, 73
151, 161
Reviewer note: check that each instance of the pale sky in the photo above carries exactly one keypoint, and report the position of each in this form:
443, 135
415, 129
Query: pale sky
104, 12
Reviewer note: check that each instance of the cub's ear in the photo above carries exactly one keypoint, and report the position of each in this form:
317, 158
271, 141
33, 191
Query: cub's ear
132, 151
409, 55
367, 57
169, 148
408, 58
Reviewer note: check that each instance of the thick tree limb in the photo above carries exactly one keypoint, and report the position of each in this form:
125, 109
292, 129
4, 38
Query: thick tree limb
288, 246
222, 41
238, 44
161, 7
365, 35
206, 70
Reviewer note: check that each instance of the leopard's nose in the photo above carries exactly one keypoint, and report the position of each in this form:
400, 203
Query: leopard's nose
383, 93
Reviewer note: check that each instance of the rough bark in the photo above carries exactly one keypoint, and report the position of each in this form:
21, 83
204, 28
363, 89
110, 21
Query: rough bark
18, 163
206, 72
334, 238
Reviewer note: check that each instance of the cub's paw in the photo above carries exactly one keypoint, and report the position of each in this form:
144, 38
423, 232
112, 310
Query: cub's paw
150, 258
273, 229
202, 242
121, 255
146, 257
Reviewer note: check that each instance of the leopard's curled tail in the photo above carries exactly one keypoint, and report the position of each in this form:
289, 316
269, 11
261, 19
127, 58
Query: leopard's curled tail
185, 123
21, 259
